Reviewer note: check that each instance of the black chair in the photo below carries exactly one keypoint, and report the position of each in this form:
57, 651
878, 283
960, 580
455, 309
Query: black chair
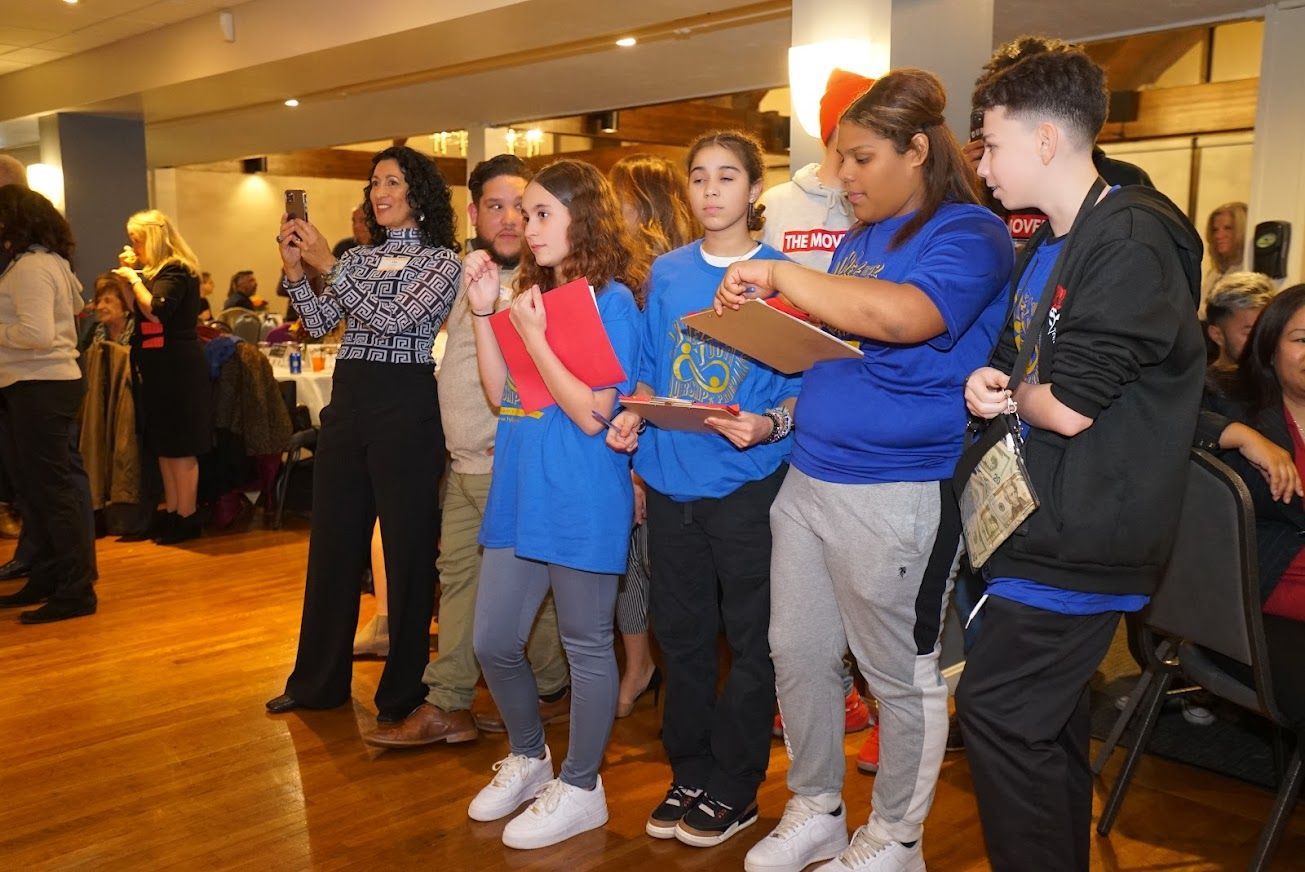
1208, 601
303, 439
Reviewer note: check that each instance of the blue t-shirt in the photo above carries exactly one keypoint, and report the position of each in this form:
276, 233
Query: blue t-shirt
898, 413
678, 362
1028, 294
557, 494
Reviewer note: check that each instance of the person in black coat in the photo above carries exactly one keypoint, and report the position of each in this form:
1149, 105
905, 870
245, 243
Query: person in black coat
1271, 383
174, 390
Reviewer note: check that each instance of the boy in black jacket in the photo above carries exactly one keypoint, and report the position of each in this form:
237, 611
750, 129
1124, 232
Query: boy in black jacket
1109, 400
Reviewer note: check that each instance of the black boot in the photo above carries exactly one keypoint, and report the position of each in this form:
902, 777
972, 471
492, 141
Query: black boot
165, 527
183, 529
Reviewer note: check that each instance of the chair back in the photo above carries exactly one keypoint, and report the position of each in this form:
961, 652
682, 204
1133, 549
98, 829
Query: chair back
1209, 595
248, 327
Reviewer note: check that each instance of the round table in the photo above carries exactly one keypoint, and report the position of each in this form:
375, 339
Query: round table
312, 389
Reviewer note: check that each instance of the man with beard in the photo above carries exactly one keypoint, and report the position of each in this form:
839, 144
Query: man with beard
496, 186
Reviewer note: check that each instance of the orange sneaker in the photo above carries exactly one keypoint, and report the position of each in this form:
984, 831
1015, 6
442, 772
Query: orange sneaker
856, 716
867, 759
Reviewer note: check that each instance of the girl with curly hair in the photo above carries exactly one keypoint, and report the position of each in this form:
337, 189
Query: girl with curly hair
651, 191
560, 505
40, 393
380, 451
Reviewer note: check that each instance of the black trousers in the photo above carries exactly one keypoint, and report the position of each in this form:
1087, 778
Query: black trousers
1023, 707
380, 452
40, 423
711, 566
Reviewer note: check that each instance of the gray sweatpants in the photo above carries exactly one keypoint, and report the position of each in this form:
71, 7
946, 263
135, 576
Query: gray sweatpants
868, 566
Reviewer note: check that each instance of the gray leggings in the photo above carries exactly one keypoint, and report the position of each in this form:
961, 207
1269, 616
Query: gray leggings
511, 591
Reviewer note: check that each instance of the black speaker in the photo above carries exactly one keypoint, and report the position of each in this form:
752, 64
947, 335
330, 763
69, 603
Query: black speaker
1269, 249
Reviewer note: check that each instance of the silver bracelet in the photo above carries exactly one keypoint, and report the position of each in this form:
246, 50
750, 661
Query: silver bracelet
783, 422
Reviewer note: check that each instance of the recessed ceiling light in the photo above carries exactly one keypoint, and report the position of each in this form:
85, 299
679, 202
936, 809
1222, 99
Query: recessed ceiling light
292, 102
626, 41
71, 2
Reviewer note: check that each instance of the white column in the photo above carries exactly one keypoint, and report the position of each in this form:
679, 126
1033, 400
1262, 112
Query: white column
829, 28
951, 38
1278, 164
483, 143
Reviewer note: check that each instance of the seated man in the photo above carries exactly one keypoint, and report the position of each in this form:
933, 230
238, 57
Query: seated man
243, 292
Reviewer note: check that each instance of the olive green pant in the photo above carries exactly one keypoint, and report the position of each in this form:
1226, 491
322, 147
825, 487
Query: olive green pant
451, 677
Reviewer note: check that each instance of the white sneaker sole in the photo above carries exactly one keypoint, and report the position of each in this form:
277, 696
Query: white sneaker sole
529, 840
660, 831
827, 850
712, 841
498, 812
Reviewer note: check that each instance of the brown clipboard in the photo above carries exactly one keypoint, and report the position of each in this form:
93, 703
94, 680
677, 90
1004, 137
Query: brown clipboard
669, 413
774, 337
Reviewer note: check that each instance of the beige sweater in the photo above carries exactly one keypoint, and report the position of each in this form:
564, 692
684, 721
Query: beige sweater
39, 302
468, 417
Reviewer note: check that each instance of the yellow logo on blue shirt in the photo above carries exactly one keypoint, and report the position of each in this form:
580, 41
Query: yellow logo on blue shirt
510, 407
702, 370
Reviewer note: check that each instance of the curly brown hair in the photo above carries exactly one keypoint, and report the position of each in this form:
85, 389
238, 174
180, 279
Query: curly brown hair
27, 219
602, 249
1047, 77
657, 190
910, 102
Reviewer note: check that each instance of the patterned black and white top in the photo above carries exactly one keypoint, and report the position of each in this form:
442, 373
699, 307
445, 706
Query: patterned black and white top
394, 296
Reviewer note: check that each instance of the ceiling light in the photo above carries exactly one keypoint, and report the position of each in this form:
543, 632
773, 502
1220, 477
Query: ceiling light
607, 122
626, 41
292, 102
71, 2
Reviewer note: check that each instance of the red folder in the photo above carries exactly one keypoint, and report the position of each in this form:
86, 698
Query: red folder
575, 333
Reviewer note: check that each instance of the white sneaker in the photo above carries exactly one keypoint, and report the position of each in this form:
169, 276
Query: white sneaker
802, 837
868, 854
560, 812
517, 779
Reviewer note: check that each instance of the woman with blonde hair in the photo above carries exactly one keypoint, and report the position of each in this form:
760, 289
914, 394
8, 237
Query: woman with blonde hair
1225, 245
171, 373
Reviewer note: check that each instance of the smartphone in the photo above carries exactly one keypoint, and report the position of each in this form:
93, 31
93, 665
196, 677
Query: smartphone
976, 125
296, 204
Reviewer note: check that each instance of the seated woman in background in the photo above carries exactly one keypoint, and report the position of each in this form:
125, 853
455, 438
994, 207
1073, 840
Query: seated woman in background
115, 311
1225, 244
1271, 381
205, 291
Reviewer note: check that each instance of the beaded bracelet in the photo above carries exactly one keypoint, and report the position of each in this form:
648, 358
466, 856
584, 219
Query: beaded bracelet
783, 422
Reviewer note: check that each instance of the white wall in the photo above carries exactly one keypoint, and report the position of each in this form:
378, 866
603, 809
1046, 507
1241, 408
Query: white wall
231, 219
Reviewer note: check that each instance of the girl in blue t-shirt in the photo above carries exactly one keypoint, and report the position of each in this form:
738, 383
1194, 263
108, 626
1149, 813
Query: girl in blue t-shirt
560, 505
866, 529
709, 497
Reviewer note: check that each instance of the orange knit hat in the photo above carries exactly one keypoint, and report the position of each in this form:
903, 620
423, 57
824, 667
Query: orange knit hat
841, 91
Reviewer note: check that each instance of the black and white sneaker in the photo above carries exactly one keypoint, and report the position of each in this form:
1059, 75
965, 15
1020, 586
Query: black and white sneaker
679, 799
710, 822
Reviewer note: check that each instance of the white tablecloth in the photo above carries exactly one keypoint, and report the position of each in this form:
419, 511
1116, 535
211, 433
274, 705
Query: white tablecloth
313, 389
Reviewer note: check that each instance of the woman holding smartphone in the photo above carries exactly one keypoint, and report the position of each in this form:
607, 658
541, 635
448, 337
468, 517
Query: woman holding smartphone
381, 448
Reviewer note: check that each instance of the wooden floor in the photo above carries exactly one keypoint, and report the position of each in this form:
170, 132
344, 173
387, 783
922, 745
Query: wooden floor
136, 739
